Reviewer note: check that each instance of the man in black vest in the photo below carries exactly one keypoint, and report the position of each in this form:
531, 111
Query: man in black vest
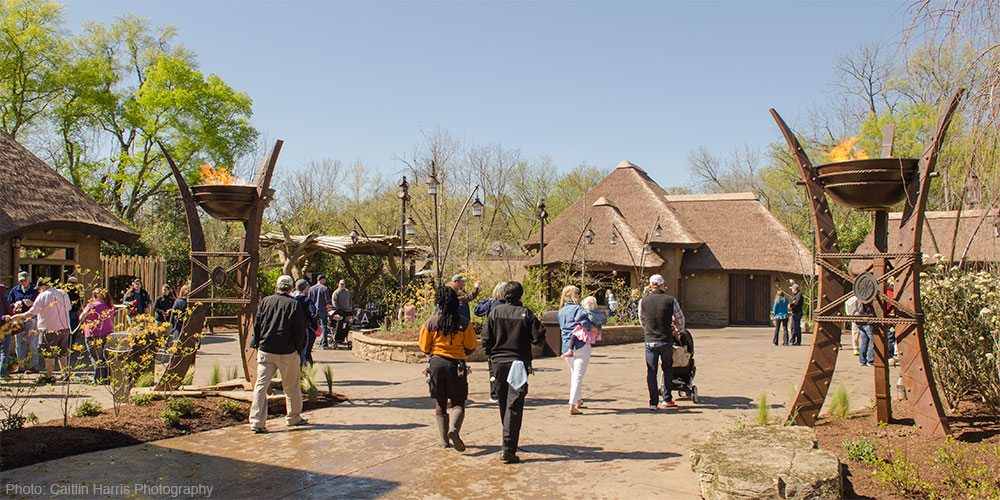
657, 313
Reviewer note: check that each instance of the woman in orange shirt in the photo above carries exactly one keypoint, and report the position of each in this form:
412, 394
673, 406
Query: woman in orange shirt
448, 338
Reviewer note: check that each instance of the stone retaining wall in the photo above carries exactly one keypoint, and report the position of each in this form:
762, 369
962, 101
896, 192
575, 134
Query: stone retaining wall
373, 349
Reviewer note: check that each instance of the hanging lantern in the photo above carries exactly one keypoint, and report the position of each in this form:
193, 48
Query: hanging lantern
589, 235
432, 186
410, 226
646, 250
614, 238
658, 230
477, 208
354, 237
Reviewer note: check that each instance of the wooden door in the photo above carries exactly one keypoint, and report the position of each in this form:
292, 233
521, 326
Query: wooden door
749, 299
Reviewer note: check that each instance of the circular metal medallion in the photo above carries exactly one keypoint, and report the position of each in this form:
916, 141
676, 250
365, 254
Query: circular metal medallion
219, 277
865, 288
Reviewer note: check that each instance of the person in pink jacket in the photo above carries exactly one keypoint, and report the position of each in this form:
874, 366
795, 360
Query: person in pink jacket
97, 320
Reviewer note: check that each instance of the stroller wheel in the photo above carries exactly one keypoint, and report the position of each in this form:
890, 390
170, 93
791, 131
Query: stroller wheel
694, 394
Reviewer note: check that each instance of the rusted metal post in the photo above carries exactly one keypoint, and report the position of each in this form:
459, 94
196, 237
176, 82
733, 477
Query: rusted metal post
880, 332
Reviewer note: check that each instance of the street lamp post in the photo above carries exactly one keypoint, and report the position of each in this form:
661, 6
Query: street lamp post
542, 215
405, 230
477, 212
432, 189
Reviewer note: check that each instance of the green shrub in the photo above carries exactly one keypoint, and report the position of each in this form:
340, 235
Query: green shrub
962, 329
183, 406
142, 399
840, 403
308, 382
328, 375
171, 417
861, 449
232, 373
189, 377
216, 374
145, 379
763, 410
230, 408
900, 475
88, 408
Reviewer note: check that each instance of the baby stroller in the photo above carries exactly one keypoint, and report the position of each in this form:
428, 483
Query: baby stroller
683, 368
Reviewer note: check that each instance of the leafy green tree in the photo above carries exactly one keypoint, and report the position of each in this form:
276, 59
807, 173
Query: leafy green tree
33, 52
132, 84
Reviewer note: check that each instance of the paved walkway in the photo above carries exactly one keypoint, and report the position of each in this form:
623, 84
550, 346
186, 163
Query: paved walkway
382, 443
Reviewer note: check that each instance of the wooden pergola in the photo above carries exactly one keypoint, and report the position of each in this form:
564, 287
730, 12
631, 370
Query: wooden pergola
296, 251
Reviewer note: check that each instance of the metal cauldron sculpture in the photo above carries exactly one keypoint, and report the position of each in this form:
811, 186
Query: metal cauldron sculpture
874, 184
238, 271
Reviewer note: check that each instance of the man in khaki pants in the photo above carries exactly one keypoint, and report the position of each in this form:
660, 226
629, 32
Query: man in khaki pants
279, 335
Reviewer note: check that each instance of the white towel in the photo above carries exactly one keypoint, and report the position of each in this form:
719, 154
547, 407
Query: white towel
517, 375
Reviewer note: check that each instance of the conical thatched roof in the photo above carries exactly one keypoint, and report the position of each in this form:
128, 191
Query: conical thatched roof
627, 198
35, 197
605, 220
939, 232
740, 235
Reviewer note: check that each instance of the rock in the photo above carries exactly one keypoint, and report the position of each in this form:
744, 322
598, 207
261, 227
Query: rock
771, 462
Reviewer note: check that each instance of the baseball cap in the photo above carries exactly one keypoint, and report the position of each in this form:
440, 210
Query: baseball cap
342, 282
285, 282
22, 276
795, 286
44, 281
656, 280
458, 277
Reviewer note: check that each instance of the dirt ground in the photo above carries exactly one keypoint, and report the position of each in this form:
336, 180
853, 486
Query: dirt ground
975, 444
133, 425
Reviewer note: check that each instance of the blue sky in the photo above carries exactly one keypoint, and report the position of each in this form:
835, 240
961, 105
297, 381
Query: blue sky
594, 82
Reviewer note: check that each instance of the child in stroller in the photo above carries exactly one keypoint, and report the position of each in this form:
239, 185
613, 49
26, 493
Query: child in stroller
683, 367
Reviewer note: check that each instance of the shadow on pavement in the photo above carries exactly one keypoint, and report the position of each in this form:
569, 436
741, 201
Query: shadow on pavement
157, 472
378, 383
363, 427
563, 453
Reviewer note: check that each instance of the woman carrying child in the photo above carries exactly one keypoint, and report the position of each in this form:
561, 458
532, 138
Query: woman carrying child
580, 327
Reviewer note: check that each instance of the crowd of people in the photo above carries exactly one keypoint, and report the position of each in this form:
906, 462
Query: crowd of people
285, 320
43, 321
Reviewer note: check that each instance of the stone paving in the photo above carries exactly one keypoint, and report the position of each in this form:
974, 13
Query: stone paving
382, 444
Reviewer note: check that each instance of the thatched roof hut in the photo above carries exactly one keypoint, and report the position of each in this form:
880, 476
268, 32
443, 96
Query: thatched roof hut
35, 197
724, 255
48, 226
977, 230
740, 234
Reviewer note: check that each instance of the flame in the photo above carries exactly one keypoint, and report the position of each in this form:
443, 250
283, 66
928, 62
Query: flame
845, 151
215, 176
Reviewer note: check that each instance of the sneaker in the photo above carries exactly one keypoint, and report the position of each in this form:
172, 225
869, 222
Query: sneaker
301, 421
492, 400
669, 404
259, 430
567, 354
856, 353
653, 407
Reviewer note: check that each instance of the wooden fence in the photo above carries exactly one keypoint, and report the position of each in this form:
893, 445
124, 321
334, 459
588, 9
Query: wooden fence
118, 272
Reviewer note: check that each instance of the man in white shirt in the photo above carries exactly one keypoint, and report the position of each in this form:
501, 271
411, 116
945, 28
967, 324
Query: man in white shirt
52, 309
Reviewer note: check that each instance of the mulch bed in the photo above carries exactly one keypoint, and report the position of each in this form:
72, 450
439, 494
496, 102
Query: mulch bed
410, 335
975, 430
133, 425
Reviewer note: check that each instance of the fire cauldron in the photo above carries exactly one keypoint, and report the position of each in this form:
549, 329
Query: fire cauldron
869, 184
226, 201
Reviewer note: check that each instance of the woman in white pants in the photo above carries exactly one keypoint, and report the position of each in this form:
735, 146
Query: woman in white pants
576, 351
